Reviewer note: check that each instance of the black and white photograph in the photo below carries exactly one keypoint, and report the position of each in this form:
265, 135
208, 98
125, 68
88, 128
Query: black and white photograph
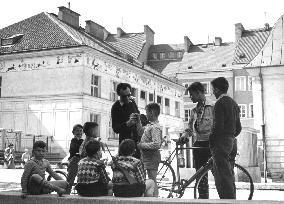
141, 101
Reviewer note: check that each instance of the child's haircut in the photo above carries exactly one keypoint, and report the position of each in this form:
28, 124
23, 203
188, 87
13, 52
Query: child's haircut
154, 107
88, 126
39, 144
77, 126
92, 147
126, 147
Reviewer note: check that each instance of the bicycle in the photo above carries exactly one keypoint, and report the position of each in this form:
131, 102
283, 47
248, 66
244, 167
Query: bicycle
169, 183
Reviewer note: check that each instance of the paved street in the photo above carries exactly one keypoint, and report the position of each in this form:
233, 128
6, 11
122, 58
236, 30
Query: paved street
10, 180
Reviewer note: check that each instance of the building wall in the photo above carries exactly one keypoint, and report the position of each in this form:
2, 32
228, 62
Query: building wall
273, 111
52, 92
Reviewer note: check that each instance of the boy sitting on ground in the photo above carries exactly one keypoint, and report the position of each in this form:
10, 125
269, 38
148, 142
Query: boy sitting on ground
124, 164
92, 179
33, 179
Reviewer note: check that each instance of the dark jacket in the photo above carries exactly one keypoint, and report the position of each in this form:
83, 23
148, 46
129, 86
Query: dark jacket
120, 114
226, 119
74, 147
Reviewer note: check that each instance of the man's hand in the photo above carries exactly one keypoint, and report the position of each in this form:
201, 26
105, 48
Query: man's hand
24, 195
130, 122
183, 139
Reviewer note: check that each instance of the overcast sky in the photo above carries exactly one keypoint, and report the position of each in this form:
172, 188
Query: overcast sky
170, 19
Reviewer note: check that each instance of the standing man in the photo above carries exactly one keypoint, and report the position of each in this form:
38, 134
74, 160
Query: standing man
200, 127
223, 145
123, 115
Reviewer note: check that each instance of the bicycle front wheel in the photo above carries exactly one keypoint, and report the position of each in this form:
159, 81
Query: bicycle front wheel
60, 173
243, 181
166, 179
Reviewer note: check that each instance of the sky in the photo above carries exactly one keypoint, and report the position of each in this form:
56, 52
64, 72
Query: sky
171, 20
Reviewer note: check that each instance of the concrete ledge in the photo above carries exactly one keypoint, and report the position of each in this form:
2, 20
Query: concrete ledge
14, 197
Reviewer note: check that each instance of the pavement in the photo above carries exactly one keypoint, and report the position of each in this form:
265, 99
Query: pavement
10, 181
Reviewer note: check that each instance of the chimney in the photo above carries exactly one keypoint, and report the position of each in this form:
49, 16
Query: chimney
266, 26
239, 28
120, 32
187, 43
96, 30
68, 16
149, 35
218, 41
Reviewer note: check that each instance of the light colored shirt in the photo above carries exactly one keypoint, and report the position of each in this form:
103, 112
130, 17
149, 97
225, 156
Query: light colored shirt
200, 122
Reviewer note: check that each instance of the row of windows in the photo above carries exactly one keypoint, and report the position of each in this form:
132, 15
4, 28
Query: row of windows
143, 96
242, 83
243, 112
167, 55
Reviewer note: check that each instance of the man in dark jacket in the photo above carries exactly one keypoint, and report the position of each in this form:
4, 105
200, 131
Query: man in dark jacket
222, 142
123, 115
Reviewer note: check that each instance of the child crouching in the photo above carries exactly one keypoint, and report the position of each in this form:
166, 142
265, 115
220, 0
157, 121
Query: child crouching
92, 179
33, 179
124, 166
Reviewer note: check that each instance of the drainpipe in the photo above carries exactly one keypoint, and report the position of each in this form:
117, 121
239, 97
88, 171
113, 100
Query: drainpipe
263, 129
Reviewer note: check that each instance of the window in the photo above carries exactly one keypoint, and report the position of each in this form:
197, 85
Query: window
154, 55
186, 91
95, 118
206, 86
113, 94
186, 115
95, 86
240, 83
159, 101
11, 40
167, 106
162, 55
177, 109
151, 97
134, 94
171, 55
251, 115
179, 54
112, 134
250, 79
243, 110
143, 95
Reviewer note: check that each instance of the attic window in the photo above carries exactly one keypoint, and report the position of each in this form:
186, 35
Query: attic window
189, 67
11, 40
242, 56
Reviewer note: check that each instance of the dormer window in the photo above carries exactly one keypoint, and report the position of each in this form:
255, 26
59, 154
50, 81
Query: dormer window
11, 40
242, 56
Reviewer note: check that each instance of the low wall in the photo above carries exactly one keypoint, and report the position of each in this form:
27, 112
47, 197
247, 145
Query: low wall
14, 197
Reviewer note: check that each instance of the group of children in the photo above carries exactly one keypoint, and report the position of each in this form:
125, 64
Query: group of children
129, 173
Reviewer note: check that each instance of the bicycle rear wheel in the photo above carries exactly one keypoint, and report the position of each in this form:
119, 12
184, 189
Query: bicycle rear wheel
243, 181
60, 173
166, 179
